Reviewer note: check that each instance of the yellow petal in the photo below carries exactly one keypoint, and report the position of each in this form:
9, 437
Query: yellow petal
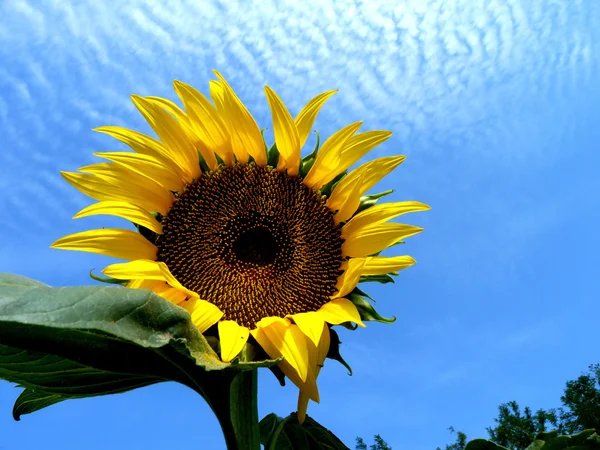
145, 145
359, 145
143, 284
112, 182
376, 238
288, 370
350, 277
147, 166
289, 341
328, 158
232, 337
306, 118
286, 134
345, 198
161, 288
311, 324
379, 265
122, 209
115, 242
206, 121
245, 134
186, 126
147, 270
217, 94
321, 353
204, 314
339, 311
171, 294
171, 134
142, 269
379, 214
171, 108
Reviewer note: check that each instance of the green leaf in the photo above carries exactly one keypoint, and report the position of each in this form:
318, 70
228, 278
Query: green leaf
287, 434
483, 444
334, 350
32, 400
63, 343
366, 310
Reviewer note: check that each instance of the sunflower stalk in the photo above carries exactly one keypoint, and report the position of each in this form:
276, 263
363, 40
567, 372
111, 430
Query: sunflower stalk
233, 399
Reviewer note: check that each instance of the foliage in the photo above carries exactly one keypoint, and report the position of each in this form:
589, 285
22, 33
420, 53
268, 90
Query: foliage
459, 444
277, 433
516, 430
69, 343
379, 444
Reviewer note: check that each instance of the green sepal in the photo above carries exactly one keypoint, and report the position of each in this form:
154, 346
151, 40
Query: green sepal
108, 280
366, 310
329, 187
366, 201
309, 160
203, 165
313, 155
278, 374
147, 233
305, 167
358, 291
273, 156
383, 279
220, 161
277, 433
334, 350
349, 325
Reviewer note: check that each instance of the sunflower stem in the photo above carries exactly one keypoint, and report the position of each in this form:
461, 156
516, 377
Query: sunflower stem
235, 404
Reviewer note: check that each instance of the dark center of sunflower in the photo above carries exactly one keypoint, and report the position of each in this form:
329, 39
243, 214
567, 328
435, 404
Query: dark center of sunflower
256, 246
253, 241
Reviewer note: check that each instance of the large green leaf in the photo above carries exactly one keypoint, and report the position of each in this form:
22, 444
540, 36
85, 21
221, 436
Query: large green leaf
63, 343
33, 400
277, 433
483, 444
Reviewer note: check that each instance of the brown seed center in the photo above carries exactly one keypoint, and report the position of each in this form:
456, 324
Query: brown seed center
253, 241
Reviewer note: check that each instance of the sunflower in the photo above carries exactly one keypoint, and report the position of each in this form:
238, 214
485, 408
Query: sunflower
262, 247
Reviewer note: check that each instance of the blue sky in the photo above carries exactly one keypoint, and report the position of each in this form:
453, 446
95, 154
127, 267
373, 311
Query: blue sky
493, 102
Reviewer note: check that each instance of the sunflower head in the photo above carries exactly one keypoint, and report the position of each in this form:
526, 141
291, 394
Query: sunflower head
263, 247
